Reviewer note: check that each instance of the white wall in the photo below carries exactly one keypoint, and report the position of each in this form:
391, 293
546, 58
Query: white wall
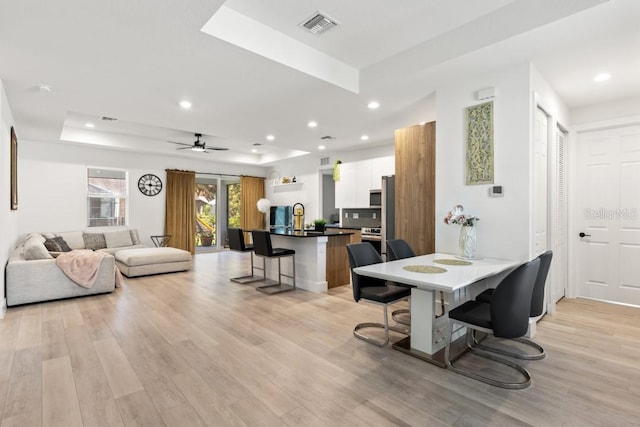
606, 111
8, 218
503, 230
53, 185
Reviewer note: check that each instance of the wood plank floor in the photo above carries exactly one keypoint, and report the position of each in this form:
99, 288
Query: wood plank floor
194, 349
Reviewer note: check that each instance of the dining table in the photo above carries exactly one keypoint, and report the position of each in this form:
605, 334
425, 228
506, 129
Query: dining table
427, 275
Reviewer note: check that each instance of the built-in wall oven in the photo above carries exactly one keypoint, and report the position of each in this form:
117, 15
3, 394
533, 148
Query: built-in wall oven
373, 236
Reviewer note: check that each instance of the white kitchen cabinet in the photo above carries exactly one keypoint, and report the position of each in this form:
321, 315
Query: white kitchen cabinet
346, 189
357, 178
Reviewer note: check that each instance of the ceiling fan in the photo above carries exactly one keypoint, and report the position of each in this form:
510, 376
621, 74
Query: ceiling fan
199, 146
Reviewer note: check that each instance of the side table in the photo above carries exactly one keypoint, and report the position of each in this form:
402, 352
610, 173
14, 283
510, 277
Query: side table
161, 241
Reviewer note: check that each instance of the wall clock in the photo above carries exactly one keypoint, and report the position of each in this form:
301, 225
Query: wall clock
149, 184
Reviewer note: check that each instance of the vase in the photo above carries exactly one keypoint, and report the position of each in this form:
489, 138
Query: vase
467, 241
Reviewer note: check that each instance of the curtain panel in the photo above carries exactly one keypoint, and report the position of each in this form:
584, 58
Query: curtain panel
180, 209
252, 190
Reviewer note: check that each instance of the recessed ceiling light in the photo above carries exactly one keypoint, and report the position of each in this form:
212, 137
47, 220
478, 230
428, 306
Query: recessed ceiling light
254, 150
89, 125
321, 147
312, 124
271, 137
602, 77
373, 105
46, 89
185, 104
364, 137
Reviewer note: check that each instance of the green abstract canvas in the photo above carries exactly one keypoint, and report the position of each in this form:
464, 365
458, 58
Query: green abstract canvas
480, 144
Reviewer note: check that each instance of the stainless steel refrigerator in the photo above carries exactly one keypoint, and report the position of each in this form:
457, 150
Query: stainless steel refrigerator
388, 217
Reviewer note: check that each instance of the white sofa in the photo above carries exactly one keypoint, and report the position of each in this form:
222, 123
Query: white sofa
33, 276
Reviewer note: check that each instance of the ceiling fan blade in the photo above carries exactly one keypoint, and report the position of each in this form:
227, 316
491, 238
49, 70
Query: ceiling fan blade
179, 143
218, 148
188, 147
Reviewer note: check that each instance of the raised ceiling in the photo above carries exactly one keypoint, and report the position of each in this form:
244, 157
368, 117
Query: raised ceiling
136, 60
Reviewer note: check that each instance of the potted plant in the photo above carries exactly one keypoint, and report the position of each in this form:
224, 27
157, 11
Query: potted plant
206, 238
319, 224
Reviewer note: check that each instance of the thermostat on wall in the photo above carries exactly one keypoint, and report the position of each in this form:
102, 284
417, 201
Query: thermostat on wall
496, 191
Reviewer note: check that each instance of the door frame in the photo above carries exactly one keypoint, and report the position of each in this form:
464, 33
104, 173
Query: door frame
574, 209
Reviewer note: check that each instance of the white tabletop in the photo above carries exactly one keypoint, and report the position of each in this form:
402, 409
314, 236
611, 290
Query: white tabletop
456, 276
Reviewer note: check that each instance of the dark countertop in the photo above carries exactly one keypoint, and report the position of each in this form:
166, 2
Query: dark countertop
337, 227
309, 233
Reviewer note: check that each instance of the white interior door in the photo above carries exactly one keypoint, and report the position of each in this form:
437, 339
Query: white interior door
608, 199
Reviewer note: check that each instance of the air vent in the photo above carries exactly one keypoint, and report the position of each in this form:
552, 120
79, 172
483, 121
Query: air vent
319, 23
108, 119
324, 161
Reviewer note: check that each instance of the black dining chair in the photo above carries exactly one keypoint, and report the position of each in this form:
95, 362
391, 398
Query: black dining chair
237, 244
536, 309
506, 316
400, 249
262, 247
372, 290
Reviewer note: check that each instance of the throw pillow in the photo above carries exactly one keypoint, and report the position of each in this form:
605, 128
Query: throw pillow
135, 239
118, 239
94, 241
56, 244
34, 248
73, 238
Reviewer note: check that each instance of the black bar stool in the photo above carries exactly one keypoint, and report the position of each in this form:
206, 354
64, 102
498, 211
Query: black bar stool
262, 247
236, 243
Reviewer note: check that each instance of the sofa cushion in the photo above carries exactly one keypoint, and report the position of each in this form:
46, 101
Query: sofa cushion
56, 244
137, 257
135, 239
34, 248
73, 238
94, 241
118, 239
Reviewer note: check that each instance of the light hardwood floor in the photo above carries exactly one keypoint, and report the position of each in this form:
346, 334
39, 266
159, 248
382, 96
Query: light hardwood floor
194, 349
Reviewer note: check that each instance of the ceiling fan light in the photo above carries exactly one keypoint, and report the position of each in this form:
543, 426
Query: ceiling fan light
197, 148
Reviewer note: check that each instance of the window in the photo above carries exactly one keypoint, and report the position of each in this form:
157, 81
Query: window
107, 197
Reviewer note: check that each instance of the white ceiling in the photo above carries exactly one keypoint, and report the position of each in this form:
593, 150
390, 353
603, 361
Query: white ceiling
136, 60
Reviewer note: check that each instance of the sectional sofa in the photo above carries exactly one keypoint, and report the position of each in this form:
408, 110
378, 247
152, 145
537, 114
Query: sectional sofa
32, 274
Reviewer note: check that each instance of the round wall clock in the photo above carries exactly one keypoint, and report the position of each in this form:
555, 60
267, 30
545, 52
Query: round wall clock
149, 184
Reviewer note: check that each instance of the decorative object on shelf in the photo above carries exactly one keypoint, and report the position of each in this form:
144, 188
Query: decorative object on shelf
286, 180
468, 240
293, 179
274, 177
480, 144
319, 224
14, 170
149, 184
336, 170
264, 206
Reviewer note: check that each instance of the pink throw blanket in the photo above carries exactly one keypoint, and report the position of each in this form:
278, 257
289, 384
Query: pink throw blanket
82, 266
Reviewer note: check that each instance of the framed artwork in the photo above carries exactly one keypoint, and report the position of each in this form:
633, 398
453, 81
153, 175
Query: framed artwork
14, 170
480, 144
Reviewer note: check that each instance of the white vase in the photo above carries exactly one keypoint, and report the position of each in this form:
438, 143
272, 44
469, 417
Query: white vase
467, 241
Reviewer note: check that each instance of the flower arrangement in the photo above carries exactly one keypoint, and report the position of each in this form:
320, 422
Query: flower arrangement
457, 216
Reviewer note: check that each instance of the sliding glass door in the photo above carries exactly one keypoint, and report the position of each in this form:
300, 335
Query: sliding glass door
217, 207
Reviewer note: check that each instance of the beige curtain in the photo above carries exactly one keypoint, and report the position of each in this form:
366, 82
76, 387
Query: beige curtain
252, 190
180, 209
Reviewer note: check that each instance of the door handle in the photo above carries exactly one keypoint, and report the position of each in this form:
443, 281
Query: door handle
584, 235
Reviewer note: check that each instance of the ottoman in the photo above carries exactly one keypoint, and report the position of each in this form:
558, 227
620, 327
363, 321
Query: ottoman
145, 261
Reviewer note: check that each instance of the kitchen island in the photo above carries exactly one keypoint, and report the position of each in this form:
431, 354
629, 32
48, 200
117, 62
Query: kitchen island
321, 258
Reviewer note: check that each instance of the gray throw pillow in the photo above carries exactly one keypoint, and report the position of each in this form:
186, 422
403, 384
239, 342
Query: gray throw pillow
56, 244
94, 241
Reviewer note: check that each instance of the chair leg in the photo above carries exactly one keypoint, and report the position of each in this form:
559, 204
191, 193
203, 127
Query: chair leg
485, 379
279, 287
536, 356
247, 279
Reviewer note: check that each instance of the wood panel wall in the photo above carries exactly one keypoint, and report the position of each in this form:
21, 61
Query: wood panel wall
415, 150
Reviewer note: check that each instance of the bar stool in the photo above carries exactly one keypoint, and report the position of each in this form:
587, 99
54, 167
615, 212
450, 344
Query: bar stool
237, 244
262, 247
